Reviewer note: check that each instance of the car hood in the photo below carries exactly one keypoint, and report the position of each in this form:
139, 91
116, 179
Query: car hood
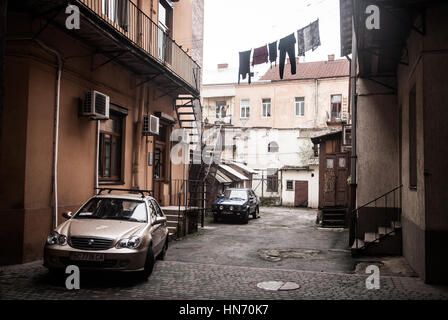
101, 228
233, 202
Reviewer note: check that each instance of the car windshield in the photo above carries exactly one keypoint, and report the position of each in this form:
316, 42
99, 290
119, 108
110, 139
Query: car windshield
236, 194
116, 209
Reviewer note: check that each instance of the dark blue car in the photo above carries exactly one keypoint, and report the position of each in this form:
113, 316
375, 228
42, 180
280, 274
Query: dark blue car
239, 203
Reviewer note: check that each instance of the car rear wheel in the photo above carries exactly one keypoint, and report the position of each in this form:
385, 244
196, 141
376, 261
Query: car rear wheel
149, 263
162, 253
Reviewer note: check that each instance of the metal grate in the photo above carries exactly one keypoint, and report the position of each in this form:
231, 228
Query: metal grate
93, 243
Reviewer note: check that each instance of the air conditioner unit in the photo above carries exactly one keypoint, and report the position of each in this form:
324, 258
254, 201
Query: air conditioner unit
150, 125
96, 106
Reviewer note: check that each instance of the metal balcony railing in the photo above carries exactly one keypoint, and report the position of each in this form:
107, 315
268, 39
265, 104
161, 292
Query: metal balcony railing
125, 17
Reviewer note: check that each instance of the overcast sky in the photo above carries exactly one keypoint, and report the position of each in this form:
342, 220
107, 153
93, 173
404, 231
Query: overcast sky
232, 26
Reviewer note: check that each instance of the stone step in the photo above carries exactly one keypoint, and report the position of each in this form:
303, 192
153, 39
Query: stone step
359, 243
371, 237
172, 224
396, 224
386, 230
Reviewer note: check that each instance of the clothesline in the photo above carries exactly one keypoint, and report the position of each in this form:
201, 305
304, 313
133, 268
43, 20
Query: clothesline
308, 38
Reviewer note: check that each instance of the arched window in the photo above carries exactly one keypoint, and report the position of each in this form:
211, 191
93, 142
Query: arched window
273, 146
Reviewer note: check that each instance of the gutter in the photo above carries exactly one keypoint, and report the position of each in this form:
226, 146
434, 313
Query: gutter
56, 121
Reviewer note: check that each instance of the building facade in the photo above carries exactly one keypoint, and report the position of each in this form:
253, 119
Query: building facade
268, 124
399, 123
51, 156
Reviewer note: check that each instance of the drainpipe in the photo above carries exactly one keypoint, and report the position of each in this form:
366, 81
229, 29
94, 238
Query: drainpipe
56, 121
354, 107
316, 111
138, 140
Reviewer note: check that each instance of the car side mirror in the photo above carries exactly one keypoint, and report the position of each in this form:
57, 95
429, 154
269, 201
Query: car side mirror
221, 195
159, 220
67, 215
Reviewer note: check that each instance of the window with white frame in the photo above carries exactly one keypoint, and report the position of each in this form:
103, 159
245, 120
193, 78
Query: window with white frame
245, 109
266, 106
220, 109
299, 104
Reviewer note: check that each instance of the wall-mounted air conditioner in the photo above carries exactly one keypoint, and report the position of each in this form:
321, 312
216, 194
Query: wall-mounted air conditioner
150, 125
96, 106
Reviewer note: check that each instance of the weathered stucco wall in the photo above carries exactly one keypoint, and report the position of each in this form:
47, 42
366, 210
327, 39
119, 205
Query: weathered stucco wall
377, 141
311, 176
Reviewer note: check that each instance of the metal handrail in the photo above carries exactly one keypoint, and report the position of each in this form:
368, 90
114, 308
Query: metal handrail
355, 213
376, 199
146, 34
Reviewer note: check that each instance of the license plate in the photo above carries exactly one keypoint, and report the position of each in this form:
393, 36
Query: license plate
227, 212
83, 256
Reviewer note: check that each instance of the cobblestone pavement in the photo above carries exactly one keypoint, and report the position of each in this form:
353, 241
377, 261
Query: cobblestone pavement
195, 270
184, 280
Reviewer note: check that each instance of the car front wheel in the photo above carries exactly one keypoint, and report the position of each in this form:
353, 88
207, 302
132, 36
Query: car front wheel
246, 217
256, 213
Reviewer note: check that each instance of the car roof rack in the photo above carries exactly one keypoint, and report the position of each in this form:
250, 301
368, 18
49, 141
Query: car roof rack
142, 192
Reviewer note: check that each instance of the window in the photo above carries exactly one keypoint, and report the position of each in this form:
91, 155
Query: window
273, 147
165, 18
117, 11
272, 182
158, 211
266, 105
299, 104
336, 101
290, 185
244, 109
413, 139
220, 109
111, 148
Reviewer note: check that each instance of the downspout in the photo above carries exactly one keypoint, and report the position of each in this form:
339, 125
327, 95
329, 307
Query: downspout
354, 107
56, 121
56, 130
316, 109
97, 153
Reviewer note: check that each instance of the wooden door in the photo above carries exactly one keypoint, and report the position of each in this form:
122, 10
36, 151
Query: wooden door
341, 179
329, 189
335, 189
301, 194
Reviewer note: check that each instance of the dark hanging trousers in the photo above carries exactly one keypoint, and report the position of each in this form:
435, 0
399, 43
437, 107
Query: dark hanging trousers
244, 69
287, 45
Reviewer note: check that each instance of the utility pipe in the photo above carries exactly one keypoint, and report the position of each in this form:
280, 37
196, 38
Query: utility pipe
56, 121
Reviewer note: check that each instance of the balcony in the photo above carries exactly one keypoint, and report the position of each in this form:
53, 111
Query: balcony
127, 36
134, 24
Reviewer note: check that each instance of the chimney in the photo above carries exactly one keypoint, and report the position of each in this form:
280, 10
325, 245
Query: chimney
331, 57
223, 66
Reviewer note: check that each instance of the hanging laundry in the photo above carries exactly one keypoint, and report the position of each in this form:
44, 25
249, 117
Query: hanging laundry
287, 45
244, 65
301, 43
273, 52
308, 38
260, 55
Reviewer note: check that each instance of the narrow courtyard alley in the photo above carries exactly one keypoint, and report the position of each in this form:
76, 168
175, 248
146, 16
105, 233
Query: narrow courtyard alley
228, 260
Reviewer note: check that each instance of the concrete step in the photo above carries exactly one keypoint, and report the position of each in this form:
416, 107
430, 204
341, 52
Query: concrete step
172, 224
396, 224
358, 243
371, 237
386, 230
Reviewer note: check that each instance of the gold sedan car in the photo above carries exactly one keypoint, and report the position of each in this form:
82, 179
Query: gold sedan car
123, 232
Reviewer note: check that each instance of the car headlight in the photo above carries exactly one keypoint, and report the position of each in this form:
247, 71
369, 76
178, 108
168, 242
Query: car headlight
231, 208
56, 238
130, 243
221, 207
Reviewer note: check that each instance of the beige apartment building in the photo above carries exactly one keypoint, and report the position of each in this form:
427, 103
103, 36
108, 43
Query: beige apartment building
268, 124
51, 155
